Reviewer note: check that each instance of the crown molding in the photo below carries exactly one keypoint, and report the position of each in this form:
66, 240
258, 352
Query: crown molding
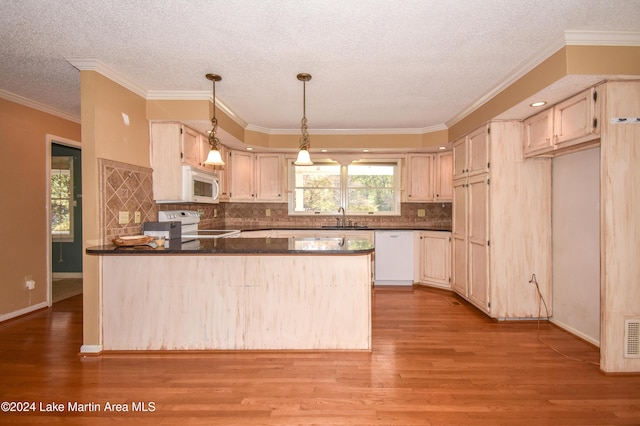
158, 95
394, 131
12, 97
172, 95
602, 38
100, 67
569, 38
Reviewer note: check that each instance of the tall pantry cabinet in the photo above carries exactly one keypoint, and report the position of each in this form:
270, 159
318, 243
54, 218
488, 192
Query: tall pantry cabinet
501, 225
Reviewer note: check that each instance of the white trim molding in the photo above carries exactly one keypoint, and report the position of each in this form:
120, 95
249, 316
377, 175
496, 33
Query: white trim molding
24, 311
12, 97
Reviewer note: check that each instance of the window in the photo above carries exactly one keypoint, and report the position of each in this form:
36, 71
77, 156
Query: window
62, 198
361, 188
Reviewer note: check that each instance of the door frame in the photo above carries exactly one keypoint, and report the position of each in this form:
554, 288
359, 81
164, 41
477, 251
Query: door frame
49, 140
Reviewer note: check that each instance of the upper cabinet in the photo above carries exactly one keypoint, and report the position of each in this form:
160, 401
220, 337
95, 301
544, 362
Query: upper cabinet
256, 177
471, 154
420, 174
429, 177
567, 125
269, 177
444, 176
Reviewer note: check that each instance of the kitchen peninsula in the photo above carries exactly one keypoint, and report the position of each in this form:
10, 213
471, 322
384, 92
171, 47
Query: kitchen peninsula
238, 294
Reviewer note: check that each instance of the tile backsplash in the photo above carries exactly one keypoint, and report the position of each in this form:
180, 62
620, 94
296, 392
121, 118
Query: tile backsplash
246, 215
124, 188
129, 188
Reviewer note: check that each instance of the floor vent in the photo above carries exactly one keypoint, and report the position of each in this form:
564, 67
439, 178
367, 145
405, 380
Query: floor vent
632, 338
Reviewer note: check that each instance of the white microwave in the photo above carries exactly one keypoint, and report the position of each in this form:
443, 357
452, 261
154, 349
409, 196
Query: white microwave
199, 186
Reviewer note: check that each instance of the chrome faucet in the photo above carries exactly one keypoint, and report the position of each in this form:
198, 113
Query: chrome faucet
344, 218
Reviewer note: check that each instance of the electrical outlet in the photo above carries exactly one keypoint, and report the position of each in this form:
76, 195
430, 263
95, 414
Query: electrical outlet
421, 212
136, 217
267, 212
123, 218
201, 212
29, 282
215, 212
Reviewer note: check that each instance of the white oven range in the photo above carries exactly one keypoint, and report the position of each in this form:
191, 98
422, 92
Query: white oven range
190, 220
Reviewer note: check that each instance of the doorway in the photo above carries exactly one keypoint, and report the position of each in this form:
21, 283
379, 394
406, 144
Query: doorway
65, 220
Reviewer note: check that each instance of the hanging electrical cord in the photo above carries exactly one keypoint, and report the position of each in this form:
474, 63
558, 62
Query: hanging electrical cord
540, 303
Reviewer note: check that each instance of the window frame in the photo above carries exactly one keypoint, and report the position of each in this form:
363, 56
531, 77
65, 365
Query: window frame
57, 236
397, 177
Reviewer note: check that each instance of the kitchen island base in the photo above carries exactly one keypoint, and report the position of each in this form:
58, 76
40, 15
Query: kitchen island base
236, 302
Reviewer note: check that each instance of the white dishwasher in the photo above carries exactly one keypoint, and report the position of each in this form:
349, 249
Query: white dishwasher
393, 263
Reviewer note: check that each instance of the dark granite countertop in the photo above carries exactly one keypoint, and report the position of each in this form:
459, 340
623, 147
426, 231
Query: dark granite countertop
249, 246
333, 228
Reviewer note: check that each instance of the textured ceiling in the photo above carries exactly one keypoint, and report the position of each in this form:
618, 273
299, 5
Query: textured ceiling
376, 64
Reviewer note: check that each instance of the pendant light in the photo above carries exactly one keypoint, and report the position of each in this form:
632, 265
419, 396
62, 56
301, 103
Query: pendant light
303, 155
214, 158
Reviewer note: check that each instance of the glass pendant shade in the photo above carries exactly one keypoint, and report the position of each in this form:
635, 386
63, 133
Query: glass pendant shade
304, 159
214, 158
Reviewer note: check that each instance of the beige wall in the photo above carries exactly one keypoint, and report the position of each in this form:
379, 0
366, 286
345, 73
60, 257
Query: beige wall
23, 180
105, 135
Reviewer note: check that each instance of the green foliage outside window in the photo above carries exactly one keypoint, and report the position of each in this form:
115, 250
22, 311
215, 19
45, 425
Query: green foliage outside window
61, 198
363, 188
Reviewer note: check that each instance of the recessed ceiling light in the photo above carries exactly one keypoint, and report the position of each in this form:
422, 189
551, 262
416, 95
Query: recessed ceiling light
442, 148
249, 148
365, 150
538, 104
323, 150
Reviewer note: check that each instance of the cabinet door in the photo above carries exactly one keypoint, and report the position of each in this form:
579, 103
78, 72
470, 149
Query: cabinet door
190, 147
435, 258
538, 133
242, 187
460, 158
478, 240
166, 161
478, 151
444, 176
268, 183
459, 238
420, 185
574, 119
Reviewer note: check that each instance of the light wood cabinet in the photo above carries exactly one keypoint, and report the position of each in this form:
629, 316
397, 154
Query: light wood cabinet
428, 177
241, 186
459, 238
433, 258
444, 176
501, 223
470, 229
269, 182
576, 120
571, 123
471, 154
172, 146
191, 150
420, 178
256, 177
166, 161
538, 136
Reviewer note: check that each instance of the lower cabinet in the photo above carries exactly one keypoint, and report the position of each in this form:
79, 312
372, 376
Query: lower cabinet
432, 265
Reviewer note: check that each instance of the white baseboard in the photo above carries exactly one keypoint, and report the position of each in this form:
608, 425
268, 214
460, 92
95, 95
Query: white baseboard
578, 333
23, 311
62, 275
90, 349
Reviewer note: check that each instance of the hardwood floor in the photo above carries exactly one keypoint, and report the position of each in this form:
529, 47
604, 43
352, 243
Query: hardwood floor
435, 360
